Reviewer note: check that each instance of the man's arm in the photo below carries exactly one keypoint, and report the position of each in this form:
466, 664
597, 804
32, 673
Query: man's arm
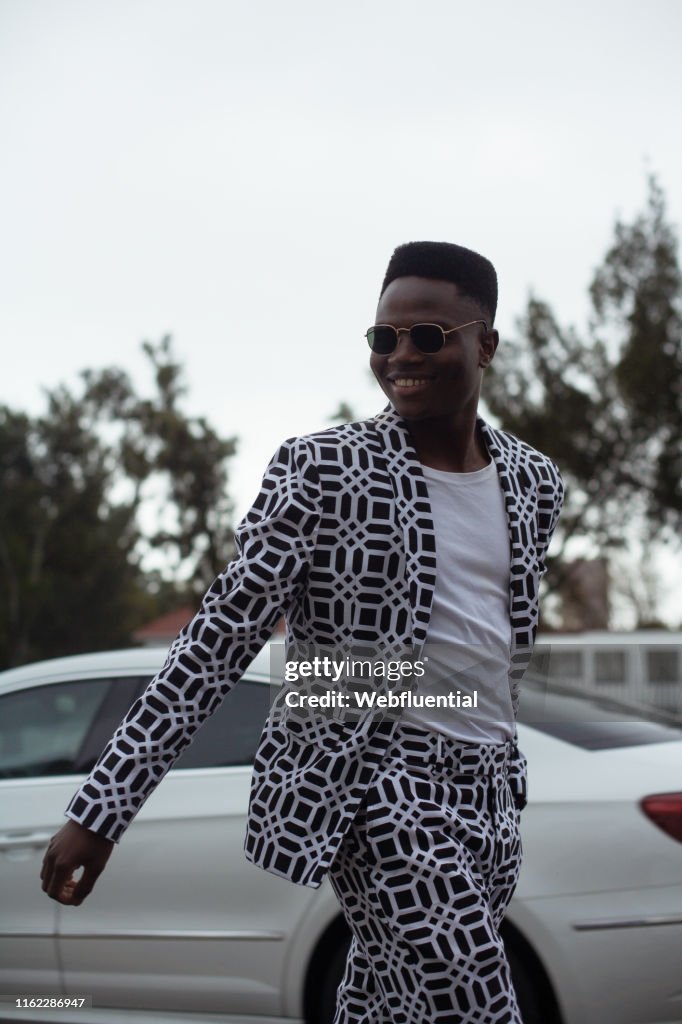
275, 542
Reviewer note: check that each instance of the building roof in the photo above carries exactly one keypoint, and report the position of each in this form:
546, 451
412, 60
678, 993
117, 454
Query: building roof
165, 628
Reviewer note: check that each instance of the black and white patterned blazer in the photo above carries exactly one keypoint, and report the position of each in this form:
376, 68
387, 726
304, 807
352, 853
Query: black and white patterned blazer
341, 540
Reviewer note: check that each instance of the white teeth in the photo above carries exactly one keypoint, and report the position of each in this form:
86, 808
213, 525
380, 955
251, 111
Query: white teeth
407, 382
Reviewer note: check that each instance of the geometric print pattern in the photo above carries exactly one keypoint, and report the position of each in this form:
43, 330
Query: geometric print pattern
424, 876
341, 540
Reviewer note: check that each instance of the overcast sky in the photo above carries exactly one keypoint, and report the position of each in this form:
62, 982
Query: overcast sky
238, 174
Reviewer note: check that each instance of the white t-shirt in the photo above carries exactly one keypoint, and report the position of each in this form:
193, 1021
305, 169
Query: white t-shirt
469, 638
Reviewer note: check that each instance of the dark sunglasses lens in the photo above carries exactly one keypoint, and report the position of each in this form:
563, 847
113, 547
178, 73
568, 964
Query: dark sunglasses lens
382, 340
427, 337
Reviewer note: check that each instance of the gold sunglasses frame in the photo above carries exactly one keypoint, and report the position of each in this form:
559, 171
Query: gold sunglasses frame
409, 330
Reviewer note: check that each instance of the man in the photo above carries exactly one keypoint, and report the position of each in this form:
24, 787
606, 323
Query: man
420, 532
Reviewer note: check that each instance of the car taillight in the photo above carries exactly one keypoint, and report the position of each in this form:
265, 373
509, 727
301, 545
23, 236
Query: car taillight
665, 810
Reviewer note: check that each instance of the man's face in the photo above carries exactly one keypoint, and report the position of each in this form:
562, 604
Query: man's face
422, 385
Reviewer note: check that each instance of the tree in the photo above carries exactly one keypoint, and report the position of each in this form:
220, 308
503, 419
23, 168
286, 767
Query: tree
89, 490
71, 582
160, 449
607, 406
344, 414
637, 293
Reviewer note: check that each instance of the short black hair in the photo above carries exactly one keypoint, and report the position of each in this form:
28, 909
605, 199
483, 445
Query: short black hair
473, 274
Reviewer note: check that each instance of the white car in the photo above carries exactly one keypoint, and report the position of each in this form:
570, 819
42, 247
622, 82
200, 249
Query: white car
182, 927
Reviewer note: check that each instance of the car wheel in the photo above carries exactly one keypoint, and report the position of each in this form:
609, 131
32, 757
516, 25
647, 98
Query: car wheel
330, 983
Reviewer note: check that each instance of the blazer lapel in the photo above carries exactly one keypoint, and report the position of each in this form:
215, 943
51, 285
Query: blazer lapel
521, 506
414, 515
413, 508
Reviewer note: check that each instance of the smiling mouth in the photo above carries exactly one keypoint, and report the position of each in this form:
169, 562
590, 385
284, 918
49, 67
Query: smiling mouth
410, 382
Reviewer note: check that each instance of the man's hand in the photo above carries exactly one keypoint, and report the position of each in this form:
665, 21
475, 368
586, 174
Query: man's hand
74, 846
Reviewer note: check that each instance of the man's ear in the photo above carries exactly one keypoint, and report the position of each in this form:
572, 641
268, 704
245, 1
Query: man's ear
487, 347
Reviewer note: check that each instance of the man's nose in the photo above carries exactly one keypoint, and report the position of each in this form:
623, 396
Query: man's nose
405, 347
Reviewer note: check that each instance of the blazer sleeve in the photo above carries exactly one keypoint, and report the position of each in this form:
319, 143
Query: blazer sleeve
275, 542
550, 503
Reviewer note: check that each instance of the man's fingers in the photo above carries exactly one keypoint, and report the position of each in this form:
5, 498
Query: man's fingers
61, 876
48, 869
84, 886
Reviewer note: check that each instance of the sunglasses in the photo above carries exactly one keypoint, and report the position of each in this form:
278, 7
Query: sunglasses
429, 338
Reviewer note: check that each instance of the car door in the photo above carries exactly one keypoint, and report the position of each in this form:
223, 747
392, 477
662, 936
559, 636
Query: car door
181, 920
45, 729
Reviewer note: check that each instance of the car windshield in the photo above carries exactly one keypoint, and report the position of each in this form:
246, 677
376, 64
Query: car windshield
593, 722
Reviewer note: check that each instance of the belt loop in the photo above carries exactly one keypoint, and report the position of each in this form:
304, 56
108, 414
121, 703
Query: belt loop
439, 747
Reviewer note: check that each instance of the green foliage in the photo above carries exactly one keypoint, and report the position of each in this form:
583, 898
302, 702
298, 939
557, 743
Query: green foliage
638, 293
158, 446
78, 516
71, 582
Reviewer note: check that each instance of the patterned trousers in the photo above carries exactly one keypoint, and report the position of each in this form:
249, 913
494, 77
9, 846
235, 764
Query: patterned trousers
424, 877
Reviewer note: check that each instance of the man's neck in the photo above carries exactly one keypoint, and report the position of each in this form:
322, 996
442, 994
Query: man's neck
455, 447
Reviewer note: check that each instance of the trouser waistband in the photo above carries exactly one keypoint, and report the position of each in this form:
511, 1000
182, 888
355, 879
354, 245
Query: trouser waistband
422, 746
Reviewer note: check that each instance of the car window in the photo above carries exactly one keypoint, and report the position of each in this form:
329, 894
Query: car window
43, 728
120, 696
61, 728
662, 665
592, 722
230, 736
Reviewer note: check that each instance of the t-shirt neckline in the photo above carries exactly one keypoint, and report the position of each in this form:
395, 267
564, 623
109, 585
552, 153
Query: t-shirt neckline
446, 476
